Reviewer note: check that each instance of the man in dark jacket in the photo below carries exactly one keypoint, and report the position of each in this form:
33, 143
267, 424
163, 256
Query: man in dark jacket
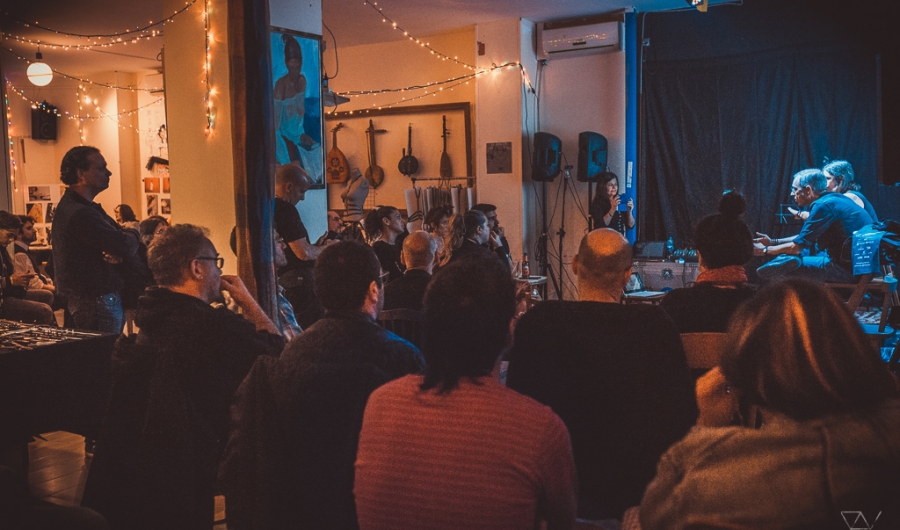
296, 421
88, 245
167, 419
616, 375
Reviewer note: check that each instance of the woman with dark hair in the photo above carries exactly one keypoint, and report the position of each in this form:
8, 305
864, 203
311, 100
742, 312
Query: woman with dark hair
724, 244
383, 225
612, 217
437, 223
830, 439
455, 448
125, 216
469, 233
152, 227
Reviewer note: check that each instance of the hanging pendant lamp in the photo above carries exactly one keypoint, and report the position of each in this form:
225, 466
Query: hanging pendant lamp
39, 73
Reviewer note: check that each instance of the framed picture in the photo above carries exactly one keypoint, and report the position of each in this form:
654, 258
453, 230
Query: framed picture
297, 101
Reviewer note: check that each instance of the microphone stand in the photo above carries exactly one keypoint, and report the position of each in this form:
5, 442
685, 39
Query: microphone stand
546, 269
562, 229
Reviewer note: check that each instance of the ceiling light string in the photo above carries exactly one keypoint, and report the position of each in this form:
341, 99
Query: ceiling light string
494, 67
209, 91
465, 80
12, 150
67, 47
138, 29
88, 81
50, 109
386, 19
78, 99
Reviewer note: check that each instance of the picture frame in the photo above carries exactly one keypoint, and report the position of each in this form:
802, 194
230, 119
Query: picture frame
297, 102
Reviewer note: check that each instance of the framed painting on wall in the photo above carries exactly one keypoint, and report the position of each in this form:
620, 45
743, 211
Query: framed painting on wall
297, 101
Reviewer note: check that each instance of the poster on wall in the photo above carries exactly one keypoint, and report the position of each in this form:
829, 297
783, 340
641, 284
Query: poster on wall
296, 71
152, 205
35, 210
38, 193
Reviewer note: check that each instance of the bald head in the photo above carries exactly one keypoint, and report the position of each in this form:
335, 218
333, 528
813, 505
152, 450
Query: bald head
418, 250
291, 183
603, 260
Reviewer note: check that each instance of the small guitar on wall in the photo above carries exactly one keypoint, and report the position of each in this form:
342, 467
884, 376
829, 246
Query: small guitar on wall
337, 169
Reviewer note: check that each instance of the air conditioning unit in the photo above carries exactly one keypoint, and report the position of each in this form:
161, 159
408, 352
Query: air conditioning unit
580, 36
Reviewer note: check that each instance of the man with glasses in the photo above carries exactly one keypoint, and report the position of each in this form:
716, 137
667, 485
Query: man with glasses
296, 419
167, 418
832, 220
497, 240
88, 245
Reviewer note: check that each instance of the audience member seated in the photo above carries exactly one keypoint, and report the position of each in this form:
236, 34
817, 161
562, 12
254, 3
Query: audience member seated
167, 419
497, 240
296, 421
469, 233
724, 244
454, 448
830, 440
383, 226
152, 227
40, 288
124, 215
335, 227
616, 375
437, 223
13, 293
409, 290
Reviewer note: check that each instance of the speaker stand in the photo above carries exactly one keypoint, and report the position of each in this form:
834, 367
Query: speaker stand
546, 269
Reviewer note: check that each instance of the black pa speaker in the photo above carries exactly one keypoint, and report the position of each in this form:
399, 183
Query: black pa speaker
43, 122
592, 152
545, 166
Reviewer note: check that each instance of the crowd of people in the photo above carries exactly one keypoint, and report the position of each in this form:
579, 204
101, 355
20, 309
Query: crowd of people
342, 424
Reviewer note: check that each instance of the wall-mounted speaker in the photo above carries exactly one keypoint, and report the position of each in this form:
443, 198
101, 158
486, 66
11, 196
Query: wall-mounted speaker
43, 122
545, 166
592, 153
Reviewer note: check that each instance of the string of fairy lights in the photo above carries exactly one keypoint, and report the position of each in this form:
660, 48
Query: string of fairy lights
386, 19
123, 37
12, 150
52, 110
209, 90
115, 35
431, 88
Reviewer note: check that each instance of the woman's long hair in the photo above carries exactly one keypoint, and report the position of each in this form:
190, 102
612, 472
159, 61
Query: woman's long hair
373, 222
461, 227
795, 348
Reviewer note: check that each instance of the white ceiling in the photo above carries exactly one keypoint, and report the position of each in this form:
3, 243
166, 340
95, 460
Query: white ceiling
352, 21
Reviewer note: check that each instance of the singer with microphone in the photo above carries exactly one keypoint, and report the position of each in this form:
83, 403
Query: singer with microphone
611, 216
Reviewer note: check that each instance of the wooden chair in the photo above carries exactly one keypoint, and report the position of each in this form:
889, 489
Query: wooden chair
406, 323
703, 350
886, 284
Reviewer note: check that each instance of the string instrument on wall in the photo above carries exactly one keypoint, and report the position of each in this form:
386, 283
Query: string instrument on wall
446, 170
337, 169
374, 173
409, 165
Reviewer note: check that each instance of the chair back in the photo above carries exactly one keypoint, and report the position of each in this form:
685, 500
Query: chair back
406, 323
703, 350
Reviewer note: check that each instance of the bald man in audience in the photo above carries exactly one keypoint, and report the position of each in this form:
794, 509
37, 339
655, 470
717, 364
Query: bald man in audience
408, 290
616, 375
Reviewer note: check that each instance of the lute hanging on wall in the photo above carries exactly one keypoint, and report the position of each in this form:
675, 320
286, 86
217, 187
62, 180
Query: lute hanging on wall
374, 173
409, 165
446, 170
337, 168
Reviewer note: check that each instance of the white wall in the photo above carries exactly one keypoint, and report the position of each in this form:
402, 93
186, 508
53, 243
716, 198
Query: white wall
201, 166
581, 94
